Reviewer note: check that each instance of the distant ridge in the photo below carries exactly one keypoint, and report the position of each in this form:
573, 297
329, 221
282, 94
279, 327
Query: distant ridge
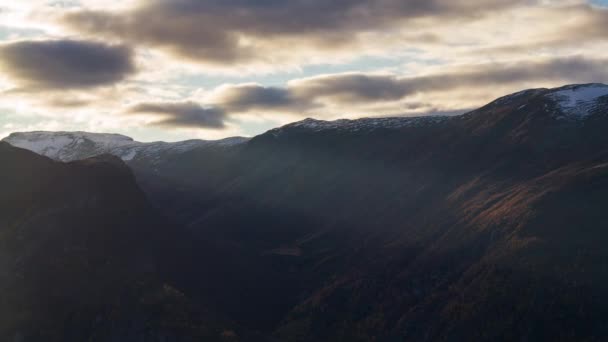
69, 146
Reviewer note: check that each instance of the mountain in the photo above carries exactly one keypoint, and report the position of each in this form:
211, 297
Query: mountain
486, 226
424, 228
85, 257
70, 146
153, 163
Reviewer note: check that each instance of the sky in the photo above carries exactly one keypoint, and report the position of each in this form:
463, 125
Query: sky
182, 69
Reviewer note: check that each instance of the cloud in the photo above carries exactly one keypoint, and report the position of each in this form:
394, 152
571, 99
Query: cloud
238, 32
65, 64
250, 96
182, 115
68, 103
586, 23
351, 87
360, 88
581, 25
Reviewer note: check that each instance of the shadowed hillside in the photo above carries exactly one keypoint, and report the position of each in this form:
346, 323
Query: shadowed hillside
84, 257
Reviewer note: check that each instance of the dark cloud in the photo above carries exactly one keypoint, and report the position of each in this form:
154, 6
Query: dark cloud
352, 87
65, 64
245, 97
187, 35
239, 31
182, 114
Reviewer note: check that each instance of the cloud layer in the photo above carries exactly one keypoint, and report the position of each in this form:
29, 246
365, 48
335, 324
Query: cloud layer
324, 96
349, 90
242, 31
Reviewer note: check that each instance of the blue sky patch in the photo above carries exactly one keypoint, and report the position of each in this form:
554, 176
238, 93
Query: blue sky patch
600, 2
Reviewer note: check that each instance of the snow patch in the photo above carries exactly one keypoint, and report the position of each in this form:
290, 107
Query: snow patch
579, 101
129, 155
365, 124
70, 146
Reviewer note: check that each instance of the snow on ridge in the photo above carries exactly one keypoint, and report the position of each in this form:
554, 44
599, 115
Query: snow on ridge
230, 141
364, 124
70, 146
97, 137
578, 101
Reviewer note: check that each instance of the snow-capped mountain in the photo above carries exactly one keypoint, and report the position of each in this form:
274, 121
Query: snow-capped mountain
580, 101
70, 146
575, 102
572, 102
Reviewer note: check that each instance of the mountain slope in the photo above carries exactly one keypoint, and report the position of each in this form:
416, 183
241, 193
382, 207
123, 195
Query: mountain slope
385, 224
84, 257
153, 163
486, 226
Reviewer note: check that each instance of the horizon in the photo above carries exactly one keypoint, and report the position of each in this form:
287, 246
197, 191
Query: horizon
301, 120
240, 69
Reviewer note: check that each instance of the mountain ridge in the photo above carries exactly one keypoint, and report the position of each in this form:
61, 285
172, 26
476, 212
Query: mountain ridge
571, 102
69, 146
487, 226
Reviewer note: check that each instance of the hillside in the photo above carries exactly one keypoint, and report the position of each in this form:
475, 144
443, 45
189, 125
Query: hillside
84, 256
